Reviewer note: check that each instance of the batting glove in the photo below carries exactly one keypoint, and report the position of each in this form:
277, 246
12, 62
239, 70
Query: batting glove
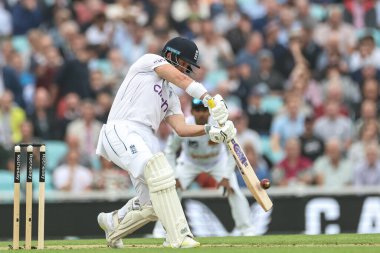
221, 134
219, 112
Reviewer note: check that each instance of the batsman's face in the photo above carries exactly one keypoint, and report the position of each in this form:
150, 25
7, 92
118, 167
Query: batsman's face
183, 66
200, 115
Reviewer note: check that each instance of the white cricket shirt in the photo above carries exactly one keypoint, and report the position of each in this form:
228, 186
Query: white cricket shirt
144, 97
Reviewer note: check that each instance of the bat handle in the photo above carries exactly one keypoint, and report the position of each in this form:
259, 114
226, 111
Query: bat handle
211, 103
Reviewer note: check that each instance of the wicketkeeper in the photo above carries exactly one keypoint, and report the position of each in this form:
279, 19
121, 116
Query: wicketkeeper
200, 154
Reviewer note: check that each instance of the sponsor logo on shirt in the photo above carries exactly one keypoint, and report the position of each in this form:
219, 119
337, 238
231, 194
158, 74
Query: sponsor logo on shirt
164, 102
159, 60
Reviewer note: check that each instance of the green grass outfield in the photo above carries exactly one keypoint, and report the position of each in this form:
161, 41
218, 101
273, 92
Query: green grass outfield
346, 243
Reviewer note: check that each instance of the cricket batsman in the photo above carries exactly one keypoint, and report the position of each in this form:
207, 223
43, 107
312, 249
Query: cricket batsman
128, 139
200, 154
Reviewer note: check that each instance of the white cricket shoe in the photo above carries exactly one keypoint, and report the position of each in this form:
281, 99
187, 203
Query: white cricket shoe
104, 224
188, 242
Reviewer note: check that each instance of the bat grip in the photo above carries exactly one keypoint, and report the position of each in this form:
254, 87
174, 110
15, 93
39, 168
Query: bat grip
211, 103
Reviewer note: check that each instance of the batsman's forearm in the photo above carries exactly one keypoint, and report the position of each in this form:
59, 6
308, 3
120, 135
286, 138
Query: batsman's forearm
191, 131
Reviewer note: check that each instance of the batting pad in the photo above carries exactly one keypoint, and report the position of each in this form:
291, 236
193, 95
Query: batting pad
132, 221
161, 184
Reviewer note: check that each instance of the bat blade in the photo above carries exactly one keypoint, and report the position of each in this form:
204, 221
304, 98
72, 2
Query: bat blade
249, 175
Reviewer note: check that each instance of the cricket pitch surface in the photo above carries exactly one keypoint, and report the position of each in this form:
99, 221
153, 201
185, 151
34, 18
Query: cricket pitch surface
344, 243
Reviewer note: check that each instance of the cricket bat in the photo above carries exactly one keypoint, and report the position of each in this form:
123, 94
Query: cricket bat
247, 171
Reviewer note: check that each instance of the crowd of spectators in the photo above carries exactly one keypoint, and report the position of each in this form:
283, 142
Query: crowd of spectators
300, 77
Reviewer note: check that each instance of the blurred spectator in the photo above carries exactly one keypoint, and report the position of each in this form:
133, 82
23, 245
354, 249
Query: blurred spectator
39, 43
266, 75
74, 75
11, 119
335, 26
7, 51
5, 21
43, 116
272, 8
332, 55
278, 50
99, 34
259, 119
27, 131
370, 92
47, 70
98, 84
368, 133
25, 78
367, 53
248, 55
228, 18
333, 92
118, 69
111, 177
232, 101
26, 14
367, 171
340, 87
239, 34
244, 134
73, 143
334, 125
136, 45
68, 32
86, 128
193, 28
237, 89
287, 24
301, 82
213, 48
182, 10
71, 176
311, 146
360, 13
86, 10
368, 112
332, 170
6, 157
288, 125
9, 81
304, 15
67, 111
59, 13
310, 50
103, 106
367, 72
294, 168
257, 162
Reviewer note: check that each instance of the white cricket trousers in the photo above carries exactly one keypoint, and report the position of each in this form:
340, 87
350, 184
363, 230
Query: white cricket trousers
186, 172
129, 145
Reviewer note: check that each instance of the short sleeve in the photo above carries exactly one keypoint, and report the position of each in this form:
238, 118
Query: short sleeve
174, 104
149, 62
